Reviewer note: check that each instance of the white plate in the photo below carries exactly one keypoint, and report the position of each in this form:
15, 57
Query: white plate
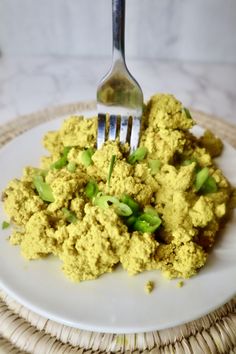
115, 302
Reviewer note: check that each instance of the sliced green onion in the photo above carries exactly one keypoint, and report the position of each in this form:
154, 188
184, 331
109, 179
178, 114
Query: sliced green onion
5, 225
154, 165
43, 189
111, 167
150, 218
209, 186
150, 210
71, 167
91, 189
86, 157
189, 161
69, 215
131, 220
59, 163
137, 155
104, 201
63, 160
123, 209
205, 183
201, 178
188, 114
147, 223
130, 202
144, 226
66, 150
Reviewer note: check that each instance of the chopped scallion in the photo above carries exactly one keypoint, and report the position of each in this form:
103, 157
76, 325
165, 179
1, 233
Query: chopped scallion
137, 155
209, 186
63, 159
150, 210
152, 219
201, 178
154, 165
144, 226
69, 215
86, 157
59, 163
71, 167
131, 220
205, 183
104, 201
43, 189
66, 150
5, 225
189, 161
91, 189
111, 167
188, 114
123, 209
130, 202
147, 223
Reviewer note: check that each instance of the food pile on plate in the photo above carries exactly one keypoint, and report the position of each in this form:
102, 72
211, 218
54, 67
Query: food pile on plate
157, 208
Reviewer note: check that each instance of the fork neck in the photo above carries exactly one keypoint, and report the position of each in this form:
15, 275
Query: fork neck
118, 26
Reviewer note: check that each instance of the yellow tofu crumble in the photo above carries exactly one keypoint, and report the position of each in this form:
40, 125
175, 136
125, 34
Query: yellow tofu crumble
180, 284
149, 286
160, 210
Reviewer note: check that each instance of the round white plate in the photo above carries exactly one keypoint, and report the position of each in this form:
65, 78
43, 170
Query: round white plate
116, 302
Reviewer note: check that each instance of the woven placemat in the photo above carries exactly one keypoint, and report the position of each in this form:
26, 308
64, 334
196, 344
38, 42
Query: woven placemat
22, 331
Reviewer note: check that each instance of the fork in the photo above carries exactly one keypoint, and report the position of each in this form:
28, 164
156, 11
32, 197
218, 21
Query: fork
119, 96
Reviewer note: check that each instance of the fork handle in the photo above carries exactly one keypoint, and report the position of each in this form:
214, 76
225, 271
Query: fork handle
118, 20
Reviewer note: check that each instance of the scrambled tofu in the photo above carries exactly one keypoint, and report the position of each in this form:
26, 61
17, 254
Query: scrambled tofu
149, 286
161, 211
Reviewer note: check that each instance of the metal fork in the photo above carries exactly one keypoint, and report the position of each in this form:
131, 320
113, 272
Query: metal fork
119, 96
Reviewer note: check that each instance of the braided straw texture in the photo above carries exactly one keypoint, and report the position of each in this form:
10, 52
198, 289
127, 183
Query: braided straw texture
22, 331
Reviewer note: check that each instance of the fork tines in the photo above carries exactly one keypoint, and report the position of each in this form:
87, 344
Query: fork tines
123, 127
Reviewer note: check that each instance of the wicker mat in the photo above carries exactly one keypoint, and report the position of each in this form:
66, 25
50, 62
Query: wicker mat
22, 331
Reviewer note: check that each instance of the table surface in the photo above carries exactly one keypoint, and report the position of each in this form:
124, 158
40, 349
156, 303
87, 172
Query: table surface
28, 84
